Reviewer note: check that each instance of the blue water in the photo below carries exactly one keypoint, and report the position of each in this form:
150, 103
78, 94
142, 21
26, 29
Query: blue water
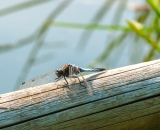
23, 23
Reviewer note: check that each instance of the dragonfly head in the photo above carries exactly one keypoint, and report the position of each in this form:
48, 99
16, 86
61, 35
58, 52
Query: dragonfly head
59, 73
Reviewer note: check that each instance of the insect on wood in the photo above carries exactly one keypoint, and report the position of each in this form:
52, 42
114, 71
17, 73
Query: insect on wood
66, 71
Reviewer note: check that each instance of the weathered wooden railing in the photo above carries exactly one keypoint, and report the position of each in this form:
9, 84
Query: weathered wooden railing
124, 98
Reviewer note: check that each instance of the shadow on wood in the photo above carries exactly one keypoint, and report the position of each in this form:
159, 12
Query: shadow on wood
124, 98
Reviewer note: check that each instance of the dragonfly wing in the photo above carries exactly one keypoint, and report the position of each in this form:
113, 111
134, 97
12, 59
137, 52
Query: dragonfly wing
40, 80
71, 72
87, 85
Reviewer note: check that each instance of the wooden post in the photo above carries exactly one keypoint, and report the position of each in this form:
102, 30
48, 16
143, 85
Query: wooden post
123, 98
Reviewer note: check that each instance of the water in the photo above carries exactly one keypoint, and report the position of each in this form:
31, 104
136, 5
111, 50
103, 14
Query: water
60, 45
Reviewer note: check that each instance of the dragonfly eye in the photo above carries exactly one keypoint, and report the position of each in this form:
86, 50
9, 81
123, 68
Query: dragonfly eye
59, 73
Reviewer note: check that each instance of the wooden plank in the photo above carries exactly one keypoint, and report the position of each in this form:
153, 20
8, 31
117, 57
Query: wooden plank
122, 97
112, 118
149, 122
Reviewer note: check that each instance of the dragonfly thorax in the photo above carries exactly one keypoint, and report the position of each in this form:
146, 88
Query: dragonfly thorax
67, 70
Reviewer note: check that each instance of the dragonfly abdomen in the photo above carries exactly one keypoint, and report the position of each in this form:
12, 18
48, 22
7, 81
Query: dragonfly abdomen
91, 70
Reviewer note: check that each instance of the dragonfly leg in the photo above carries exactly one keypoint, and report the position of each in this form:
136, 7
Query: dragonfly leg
74, 76
66, 80
57, 79
66, 83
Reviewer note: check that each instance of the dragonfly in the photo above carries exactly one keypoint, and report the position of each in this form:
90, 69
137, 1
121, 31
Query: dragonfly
66, 71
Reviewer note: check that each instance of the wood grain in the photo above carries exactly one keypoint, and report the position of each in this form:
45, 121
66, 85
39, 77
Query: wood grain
123, 98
